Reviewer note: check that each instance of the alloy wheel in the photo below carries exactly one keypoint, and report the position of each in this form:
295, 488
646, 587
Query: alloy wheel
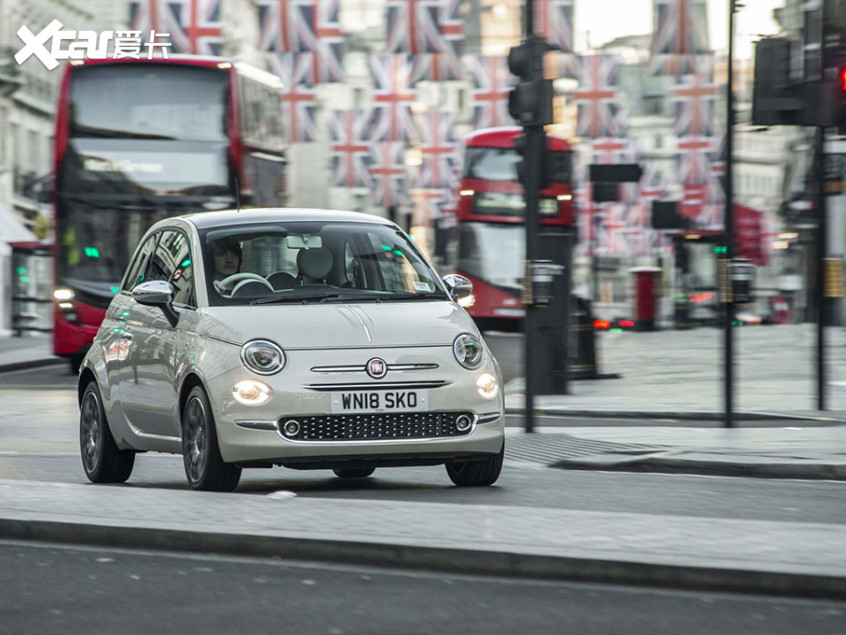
196, 439
90, 431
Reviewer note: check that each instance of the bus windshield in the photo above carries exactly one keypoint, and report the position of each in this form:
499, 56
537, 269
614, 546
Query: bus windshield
482, 247
149, 101
96, 243
500, 164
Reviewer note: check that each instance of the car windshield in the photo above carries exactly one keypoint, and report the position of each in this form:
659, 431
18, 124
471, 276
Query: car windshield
315, 262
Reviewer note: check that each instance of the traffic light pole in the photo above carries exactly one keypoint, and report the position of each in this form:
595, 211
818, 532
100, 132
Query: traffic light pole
821, 252
535, 142
728, 222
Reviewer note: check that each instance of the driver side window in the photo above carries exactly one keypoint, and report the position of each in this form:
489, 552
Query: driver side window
138, 269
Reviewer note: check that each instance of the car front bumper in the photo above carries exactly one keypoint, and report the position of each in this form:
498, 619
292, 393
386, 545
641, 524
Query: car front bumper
251, 434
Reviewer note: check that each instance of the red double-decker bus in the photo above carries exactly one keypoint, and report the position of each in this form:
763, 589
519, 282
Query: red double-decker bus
137, 141
490, 217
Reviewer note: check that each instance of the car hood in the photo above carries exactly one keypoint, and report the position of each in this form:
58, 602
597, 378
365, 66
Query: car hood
354, 325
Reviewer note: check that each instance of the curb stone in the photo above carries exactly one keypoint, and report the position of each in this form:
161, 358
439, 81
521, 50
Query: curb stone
461, 561
659, 414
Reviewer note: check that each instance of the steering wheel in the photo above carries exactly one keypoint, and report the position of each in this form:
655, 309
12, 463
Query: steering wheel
238, 277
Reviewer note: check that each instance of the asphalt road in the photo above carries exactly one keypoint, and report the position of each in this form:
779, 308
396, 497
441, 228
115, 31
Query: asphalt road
38, 442
58, 589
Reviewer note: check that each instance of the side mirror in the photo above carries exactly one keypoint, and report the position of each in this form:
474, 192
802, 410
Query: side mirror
157, 293
458, 286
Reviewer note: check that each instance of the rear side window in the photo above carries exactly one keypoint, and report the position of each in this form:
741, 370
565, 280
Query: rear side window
138, 268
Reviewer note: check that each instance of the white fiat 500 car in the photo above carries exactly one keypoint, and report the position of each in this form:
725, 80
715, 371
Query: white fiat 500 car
303, 338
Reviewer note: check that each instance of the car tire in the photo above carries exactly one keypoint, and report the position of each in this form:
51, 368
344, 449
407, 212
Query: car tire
204, 467
348, 472
476, 473
102, 460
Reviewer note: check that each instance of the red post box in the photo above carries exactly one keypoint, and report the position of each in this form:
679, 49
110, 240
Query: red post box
646, 298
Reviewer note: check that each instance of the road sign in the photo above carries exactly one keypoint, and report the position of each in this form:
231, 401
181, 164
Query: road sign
619, 173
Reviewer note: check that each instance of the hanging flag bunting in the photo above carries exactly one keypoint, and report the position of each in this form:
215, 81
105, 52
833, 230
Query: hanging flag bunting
438, 149
350, 148
694, 104
193, 26
491, 84
414, 27
299, 103
286, 26
387, 171
600, 103
304, 26
554, 23
392, 98
329, 43
680, 36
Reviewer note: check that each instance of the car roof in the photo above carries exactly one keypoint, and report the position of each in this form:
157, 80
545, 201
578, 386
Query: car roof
230, 218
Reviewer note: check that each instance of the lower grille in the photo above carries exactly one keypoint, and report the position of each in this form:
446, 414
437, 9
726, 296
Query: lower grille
365, 427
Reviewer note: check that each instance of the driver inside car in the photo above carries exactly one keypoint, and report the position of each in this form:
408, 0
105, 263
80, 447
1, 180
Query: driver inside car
227, 262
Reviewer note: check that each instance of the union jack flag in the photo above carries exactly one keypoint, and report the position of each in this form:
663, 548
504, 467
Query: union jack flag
144, 16
614, 231
491, 84
554, 22
694, 102
429, 205
193, 25
702, 192
610, 150
438, 147
681, 36
329, 42
299, 103
392, 97
304, 26
446, 65
350, 149
436, 67
387, 169
287, 26
415, 26
600, 105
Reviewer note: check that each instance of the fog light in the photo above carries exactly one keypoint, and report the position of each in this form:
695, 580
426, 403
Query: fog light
291, 428
463, 423
486, 385
467, 301
250, 392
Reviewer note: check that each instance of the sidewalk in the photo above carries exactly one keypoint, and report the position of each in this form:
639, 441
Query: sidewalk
674, 551
678, 374
788, 452
17, 353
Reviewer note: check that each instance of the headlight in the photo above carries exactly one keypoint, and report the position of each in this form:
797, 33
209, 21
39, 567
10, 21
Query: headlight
63, 294
250, 392
468, 350
486, 385
263, 357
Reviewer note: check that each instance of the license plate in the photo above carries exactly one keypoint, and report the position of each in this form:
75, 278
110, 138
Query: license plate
380, 401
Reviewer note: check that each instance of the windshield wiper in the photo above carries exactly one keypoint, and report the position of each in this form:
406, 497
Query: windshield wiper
410, 295
305, 299
281, 300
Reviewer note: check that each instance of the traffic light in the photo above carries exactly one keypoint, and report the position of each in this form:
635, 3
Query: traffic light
530, 101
